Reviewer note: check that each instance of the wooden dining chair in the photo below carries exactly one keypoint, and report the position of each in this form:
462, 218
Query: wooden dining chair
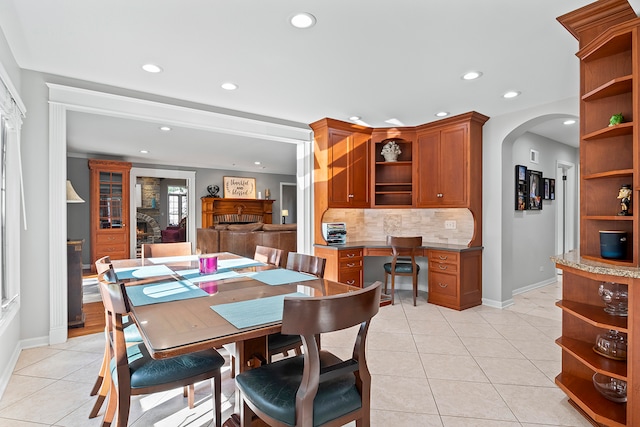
134, 372
404, 251
165, 249
279, 343
268, 255
106, 273
316, 388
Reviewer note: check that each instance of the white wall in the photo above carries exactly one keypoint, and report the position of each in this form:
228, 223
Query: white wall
534, 234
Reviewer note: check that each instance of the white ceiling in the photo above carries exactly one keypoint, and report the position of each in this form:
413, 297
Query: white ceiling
376, 59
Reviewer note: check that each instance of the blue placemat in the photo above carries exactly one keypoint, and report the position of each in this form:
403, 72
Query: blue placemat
281, 276
244, 314
143, 272
170, 259
163, 292
224, 264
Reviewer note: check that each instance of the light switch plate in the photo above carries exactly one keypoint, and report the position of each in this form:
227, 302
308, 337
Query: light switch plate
450, 225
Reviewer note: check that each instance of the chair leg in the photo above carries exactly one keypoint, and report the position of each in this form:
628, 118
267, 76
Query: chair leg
393, 288
124, 404
102, 394
112, 405
233, 366
415, 288
217, 397
190, 392
103, 370
386, 276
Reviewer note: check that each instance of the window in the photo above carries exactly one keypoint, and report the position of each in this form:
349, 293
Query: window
178, 206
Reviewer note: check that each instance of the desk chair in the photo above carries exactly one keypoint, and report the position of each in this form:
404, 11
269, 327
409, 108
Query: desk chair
316, 388
165, 249
268, 255
404, 262
133, 371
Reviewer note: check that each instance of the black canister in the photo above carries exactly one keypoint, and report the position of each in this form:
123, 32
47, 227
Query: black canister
613, 244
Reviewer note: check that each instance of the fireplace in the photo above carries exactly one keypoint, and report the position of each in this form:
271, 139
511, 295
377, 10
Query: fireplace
235, 211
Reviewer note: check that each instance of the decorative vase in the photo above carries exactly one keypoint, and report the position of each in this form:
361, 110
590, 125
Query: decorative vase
390, 157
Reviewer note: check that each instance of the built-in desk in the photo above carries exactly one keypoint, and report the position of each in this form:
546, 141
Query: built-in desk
454, 276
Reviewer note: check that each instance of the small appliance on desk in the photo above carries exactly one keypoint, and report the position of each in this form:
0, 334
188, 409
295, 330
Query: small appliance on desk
335, 233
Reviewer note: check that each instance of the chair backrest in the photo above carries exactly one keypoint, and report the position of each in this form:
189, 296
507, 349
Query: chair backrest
404, 246
268, 255
103, 264
165, 249
306, 264
309, 316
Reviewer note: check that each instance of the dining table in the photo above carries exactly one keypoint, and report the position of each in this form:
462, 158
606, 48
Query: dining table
179, 310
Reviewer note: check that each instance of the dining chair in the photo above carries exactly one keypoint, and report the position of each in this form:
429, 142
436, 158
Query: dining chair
279, 343
165, 249
404, 251
268, 255
134, 372
316, 388
105, 272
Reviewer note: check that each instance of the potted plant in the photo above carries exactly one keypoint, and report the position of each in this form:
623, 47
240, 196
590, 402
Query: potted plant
390, 151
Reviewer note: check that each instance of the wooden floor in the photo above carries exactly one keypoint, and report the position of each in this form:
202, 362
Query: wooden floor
93, 317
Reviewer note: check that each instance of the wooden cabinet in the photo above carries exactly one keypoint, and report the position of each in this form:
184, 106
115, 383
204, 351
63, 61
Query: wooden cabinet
608, 33
343, 265
348, 169
583, 319
109, 205
455, 278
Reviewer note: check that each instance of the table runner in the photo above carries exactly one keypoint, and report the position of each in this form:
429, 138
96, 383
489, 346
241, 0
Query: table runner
245, 314
163, 292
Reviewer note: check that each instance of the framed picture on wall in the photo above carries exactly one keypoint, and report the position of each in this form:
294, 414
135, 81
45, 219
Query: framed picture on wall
535, 184
552, 189
546, 195
521, 188
239, 187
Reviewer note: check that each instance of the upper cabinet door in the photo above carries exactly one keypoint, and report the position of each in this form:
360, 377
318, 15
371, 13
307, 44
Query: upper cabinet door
443, 168
349, 169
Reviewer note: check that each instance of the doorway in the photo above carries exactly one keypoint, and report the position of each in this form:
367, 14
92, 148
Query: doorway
288, 203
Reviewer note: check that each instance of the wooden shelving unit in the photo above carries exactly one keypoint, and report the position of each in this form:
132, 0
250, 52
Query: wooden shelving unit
608, 33
393, 181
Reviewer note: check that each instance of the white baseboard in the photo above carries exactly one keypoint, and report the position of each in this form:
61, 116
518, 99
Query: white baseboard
5, 374
535, 286
497, 304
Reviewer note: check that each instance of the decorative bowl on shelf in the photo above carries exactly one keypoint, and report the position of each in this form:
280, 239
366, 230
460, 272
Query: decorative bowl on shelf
613, 389
612, 345
615, 297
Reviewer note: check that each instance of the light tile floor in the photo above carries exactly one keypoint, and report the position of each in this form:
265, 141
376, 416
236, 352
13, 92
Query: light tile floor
431, 366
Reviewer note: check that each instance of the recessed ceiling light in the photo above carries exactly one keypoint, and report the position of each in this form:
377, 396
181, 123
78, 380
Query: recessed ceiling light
303, 20
165, 128
511, 94
568, 122
256, 163
144, 151
394, 122
472, 75
442, 114
152, 68
229, 86
354, 118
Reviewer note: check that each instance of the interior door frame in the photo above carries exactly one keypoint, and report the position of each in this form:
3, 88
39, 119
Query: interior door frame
188, 176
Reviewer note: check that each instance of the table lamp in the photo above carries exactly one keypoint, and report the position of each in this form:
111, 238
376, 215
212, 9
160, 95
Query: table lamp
72, 196
285, 214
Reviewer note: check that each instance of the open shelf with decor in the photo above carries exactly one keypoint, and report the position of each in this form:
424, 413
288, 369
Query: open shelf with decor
393, 175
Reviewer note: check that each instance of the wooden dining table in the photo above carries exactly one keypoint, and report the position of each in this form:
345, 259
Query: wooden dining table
238, 305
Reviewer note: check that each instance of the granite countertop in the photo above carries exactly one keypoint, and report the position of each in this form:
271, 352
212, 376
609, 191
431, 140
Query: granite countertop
381, 244
574, 260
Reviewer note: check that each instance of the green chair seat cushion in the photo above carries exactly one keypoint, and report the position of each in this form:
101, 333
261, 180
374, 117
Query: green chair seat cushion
272, 388
401, 267
278, 340
148, 372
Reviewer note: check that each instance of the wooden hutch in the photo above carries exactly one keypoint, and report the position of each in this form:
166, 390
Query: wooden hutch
608, 32
217, 210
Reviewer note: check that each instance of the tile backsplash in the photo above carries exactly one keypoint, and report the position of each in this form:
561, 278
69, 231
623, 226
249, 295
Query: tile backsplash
376, 224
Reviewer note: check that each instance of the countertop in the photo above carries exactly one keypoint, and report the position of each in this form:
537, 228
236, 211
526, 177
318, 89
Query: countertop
574, 260
381, 244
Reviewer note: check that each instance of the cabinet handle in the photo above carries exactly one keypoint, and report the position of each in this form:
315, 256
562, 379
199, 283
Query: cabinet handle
350, 255
111, 238
442, 267
351, 264
442, 285
350, 282
439, 195
350, 195
443, 257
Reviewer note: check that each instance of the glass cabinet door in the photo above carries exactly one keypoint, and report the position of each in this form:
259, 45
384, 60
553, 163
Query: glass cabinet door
110, 200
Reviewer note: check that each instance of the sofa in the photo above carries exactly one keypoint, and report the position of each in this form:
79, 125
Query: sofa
242, 239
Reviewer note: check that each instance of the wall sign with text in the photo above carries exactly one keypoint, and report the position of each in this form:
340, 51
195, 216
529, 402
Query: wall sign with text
236, 187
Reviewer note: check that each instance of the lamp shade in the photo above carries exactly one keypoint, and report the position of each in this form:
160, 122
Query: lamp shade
72, 196
285, 212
